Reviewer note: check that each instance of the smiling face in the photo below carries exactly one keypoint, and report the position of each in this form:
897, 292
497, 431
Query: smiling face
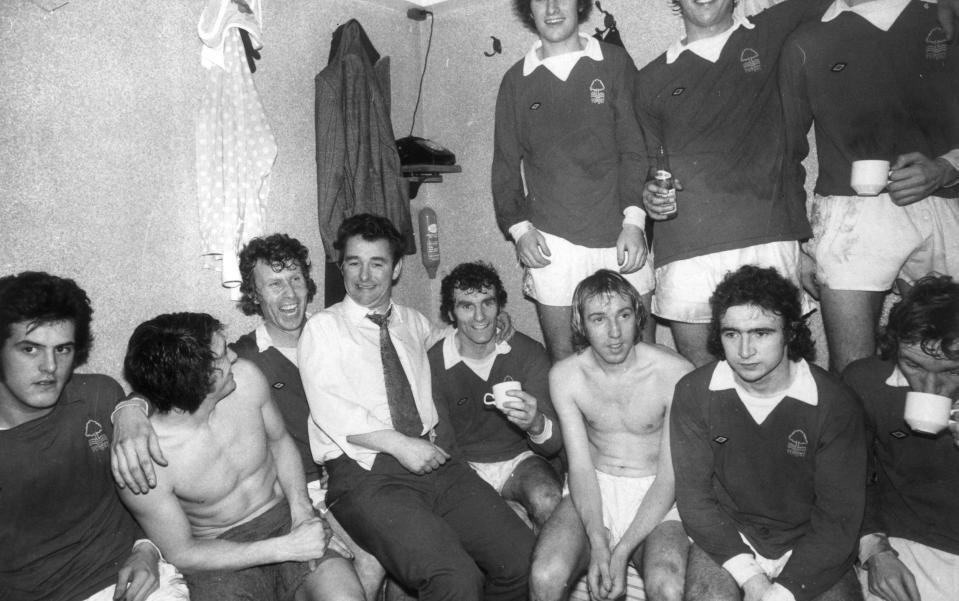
755, 347
282, 297
36, 365
557, 23
706, 18
609, 323
368, 272
934, 373
474, 314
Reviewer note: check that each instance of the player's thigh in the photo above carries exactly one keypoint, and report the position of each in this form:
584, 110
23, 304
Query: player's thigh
664, 553
554, 320
487, 528
847, 589
534, 484
850, 318
333, 580
706, 580
562, 550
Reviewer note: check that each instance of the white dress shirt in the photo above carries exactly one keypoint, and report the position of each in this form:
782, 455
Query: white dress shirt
342, 372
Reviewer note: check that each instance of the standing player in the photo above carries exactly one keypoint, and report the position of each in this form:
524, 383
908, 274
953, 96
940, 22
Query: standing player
568, 167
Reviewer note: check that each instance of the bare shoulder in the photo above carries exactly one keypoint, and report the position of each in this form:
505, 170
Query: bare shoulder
570, 367
664, 359
251, 384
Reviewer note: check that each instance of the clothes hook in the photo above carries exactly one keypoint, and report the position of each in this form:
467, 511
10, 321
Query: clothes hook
497, 47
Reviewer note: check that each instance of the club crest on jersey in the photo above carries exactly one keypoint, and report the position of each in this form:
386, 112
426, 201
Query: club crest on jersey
937, 45
97, 440
597, 92
797, 443
750, 61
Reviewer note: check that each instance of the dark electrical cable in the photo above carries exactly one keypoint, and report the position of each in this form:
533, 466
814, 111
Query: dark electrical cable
419, 92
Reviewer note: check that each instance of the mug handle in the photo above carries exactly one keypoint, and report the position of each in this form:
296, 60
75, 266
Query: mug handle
489, 399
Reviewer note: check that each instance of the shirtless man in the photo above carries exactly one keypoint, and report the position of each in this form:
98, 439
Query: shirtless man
233, 495
613, 398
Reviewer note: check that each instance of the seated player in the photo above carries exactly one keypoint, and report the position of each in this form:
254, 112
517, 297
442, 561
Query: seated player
769, 455
230, 509
910, 544
507, 447
64, 535
613, 398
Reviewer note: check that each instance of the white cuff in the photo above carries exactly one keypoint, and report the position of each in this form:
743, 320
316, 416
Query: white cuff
742, 567
146, 541
137, 402
518, 230
546, 434
952, 157
633, 215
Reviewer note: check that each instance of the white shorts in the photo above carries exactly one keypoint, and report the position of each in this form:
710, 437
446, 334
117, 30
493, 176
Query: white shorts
622, 496
770, 566
172, 587
866, 242
570, 264
936, 572
497, 473
683, 287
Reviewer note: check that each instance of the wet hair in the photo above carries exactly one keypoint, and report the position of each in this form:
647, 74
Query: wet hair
371, 228
927, 315
170, 361
604, 283
765, 288
523, 12
469, 277
39, 299
280, 252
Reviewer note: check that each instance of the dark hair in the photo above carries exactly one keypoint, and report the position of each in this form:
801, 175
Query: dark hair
170, 361
41, 299
469, 277
603, 283
927, 315
677, 8
523, 12
765, 288
280, 252
371, 228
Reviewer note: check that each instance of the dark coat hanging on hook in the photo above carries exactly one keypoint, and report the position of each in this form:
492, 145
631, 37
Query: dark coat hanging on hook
357, 166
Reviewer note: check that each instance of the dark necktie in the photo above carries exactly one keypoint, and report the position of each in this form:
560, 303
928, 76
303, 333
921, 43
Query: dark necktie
399, 395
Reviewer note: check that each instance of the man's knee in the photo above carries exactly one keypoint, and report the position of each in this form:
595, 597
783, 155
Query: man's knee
549, 576
543, 499
664, 581
459, 578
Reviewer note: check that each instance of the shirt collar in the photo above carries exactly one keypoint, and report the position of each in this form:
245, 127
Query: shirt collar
897, 379
563, 64
451, 354
708, 48
263, 339
802, 388
357, 313
881, 13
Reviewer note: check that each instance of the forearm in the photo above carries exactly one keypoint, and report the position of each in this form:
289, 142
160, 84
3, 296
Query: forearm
202, 555
654, 507
382, 441
289, 472
584, 490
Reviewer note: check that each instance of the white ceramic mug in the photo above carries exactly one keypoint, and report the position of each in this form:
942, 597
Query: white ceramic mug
499, 396
927, 413
869, 177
